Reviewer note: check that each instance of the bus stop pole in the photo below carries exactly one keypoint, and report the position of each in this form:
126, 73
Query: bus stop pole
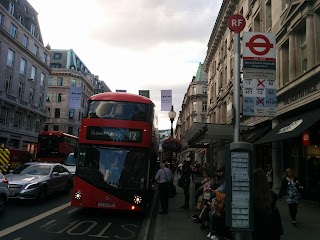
236, 102
236, 88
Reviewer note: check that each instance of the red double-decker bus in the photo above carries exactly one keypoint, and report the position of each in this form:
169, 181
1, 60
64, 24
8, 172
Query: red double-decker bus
117, 153
55, 146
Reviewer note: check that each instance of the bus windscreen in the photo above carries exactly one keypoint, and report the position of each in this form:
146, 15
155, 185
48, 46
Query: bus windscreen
119, 110
113, 168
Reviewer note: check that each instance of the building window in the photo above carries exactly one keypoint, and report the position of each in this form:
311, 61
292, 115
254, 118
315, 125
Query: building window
41, 100
56, 128
70, 130
33, 73
25, 41
28, 122
60, 81
46, 127
31, 95
35, 50
32, 29
1, 19
21, 90
49, 112
203, 119
19, 18
194, 90
268, 15
50, 81
194, 106
49, 97
57, 56
71, 113
17, 120
58, 97
57, 112
42, 76
11, 8
8, 84
23, 64
256, 23
303, 51
204, 89
204, 106
38, 124
73, 82
13, 31
10, 58
44, 57
194, 119
55, 65
4, 115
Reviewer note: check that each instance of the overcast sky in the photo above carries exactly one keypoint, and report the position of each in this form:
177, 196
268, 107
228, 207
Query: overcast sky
134, 44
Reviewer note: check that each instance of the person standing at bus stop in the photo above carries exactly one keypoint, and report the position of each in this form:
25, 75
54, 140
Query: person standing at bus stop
163, 177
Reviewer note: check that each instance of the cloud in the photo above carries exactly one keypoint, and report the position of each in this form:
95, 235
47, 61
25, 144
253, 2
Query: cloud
134, 44
147, 24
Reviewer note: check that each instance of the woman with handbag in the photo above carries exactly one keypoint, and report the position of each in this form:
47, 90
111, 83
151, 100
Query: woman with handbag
290, 189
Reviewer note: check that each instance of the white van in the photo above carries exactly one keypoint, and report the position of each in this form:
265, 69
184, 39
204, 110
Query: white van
70, 163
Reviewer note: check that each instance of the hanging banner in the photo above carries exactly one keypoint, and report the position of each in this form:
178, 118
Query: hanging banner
145, 93
166, 100
75, 97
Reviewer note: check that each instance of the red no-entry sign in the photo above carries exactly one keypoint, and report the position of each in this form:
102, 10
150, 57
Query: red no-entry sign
236, 23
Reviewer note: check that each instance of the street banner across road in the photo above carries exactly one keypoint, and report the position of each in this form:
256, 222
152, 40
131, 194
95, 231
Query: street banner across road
259, 74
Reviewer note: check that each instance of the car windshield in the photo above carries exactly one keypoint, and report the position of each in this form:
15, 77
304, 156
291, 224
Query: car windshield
33, 169
70, 161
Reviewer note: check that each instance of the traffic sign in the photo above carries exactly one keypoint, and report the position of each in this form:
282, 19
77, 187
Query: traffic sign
236, 23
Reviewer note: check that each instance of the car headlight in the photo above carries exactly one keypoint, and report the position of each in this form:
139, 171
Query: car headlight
31, 185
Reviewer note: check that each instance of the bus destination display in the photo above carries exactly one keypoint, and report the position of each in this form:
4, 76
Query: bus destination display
114, 134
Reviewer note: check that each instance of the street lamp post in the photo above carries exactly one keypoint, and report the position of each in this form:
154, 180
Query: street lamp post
172, 115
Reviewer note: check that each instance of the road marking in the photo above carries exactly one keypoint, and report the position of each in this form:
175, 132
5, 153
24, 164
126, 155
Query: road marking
32, 220
48, 223
73, 210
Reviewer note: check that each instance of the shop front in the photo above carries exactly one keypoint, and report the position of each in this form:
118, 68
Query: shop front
296, 144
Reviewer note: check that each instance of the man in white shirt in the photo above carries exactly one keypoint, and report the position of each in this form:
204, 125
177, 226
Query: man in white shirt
163, 177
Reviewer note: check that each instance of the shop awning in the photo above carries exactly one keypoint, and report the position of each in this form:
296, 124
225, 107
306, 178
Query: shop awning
291, 127
201, 134
255, 134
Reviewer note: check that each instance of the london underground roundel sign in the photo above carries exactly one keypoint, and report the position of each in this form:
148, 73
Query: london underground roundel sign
236, 23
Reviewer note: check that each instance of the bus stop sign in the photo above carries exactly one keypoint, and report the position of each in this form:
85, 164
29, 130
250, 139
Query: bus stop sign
236, 23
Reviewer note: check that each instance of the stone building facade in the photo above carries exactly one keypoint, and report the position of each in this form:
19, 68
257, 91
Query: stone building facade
69, 76
24, 70
194, 109
295, 25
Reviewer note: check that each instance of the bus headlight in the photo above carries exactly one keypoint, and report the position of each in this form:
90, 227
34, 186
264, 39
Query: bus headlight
137, 199
77, 195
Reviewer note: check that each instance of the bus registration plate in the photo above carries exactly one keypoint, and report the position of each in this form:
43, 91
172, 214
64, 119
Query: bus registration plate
105, 204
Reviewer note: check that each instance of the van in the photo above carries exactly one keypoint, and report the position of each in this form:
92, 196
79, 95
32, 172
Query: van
70, 163
11, 158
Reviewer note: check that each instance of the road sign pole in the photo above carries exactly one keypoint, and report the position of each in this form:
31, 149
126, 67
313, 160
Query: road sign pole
236, 88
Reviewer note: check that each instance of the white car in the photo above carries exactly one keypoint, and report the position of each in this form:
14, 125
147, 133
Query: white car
70, 163
4, 192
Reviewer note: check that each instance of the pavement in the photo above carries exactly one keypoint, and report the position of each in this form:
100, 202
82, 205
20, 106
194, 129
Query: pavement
178, 224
